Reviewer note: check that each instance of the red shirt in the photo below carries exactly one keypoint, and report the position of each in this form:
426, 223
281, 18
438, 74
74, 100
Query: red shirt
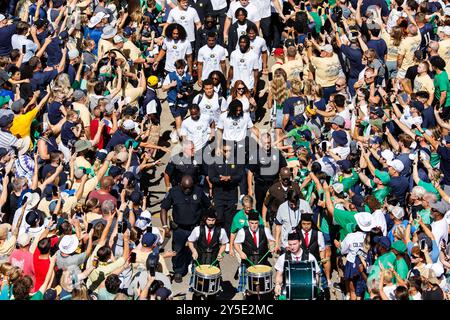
104, 137
102, 197
41, 265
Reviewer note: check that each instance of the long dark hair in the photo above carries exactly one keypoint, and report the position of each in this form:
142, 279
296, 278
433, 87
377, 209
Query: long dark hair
182, 35
222, 81
232, 108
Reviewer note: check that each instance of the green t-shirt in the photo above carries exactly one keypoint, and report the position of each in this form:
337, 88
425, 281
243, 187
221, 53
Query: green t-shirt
425, 215
401, 267
37, 296
349, 182
385, 259
346, 220
441, 83
240, 220
380, 194
299, 141
430, 188
435, 159
317, 20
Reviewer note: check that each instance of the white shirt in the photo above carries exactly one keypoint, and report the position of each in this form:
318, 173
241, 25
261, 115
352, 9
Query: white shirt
175, 50
289, 219
218, 4
211, 59
320, 239
440, 230
197, 131
241, 31
257, 46
151, 106
195, 234
234, 129
17, 41
252, 11
379, 221
279, 265
187, 18
351, 244
389, 291
245, 103
211, 107
243, 66
264, 7
240, 236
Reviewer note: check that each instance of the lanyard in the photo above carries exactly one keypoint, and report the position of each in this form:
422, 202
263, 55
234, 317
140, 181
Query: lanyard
295, 215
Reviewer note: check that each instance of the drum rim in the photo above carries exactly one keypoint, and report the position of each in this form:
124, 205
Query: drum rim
209, 276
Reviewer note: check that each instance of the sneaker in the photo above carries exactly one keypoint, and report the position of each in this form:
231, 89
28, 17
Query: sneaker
174, 137
178, 278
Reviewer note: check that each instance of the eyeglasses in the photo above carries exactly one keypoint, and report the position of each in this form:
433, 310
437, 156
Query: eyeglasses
415, 257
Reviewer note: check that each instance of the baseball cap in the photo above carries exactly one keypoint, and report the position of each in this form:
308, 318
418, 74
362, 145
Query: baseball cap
148, 239
129, 124
2, 17
327, 48
446, 30
78, 173
152, 81
399, 246
340, 138
23, 240
101, 154
163, 293
78, 95
289, 43
115, 171
387, 155
74, 53
384, 177
82, 145
32, 217
306, 134
127, 31
383, 241
397, 212
338, 120
17, 105
397, 165
344, 164
68, 244
278, 52
440, 206
118, 39
6, 120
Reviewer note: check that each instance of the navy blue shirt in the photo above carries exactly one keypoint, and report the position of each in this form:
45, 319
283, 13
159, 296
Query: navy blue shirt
6, 34
379, 46
444, 152
54, 113
41, 79
67, 133
49, 169
429, 121
355, 58
404, 158
427, 33
120, 138
293, 106
399, 187
72, 73
54, 53
367, 3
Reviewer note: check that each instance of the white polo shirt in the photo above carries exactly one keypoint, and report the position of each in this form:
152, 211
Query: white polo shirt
252, 11
187, 18
211, 107
234, 129
211, 59
175, 50
197, 131
243, 66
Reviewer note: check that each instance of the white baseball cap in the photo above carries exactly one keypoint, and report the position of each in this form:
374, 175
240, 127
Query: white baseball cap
2, 17
397, 212
23, 240
74, 53
387, 154
364, 221
68, 244
118, 39
397, 165
95, 20
446, 30
129, 124
447, 11
327, 48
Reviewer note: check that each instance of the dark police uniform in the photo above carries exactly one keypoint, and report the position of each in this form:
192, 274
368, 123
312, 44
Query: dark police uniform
225, 193
180, 165
187, 212
265, 167
275, 196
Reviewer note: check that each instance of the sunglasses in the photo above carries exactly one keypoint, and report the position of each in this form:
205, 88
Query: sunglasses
415, 257
241, 89
210, 21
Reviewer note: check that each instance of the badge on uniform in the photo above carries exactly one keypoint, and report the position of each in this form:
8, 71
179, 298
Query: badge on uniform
174, 46
194, 197
242, 60
194, 162
182, 17
232, 166
212, 55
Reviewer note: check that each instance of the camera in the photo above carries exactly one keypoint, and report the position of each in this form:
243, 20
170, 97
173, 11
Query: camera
187, 87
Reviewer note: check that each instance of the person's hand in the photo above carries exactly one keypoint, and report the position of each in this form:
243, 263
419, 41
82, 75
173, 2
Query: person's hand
265, 71
277, 289
126, 236
308, 43
243, 256
200, 82
155, 65
195, 255
252, 101
168, 233
277, 248
164, 149
337, 243
33, 30
419, 219
59, 169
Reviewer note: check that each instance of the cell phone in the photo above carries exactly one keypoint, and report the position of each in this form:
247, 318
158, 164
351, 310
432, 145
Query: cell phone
322, 196
270, 75
327, 11
309, 35
319, 11
124, 227
24, 48
322, 30
139, 67
323, 146
422, 244
302, 6
149, 229
413, 126
133, 257
89, 227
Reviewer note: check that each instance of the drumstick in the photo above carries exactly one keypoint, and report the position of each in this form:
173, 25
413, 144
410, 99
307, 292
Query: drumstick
268, 251
250, 261
215, 260
196, 261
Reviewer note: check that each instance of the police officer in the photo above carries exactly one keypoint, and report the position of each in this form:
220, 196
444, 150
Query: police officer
188, 202
277, 194
224, 176
181, 164
264, 168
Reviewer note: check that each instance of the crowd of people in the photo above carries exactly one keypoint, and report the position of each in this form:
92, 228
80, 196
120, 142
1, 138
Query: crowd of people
351, 173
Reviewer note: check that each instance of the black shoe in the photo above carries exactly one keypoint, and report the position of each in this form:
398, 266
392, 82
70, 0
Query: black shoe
178, 278
236, 275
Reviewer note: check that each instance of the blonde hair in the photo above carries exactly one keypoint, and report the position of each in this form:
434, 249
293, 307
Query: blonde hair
279, 86
296, 86
388, 276
399, 232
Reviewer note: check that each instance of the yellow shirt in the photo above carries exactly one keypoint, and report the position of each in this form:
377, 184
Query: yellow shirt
69, 203
444, 53
130, 48
22, 123
293, 68
89, 186
104, 46
392, 51
327, 70
85, 115
407, 48
424, 83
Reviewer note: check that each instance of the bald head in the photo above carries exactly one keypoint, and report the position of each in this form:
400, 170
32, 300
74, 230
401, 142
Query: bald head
412, 30
434, 46
187, 184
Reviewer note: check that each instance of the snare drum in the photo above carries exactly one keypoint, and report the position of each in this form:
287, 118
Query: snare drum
299, 280
207, 279
259, 279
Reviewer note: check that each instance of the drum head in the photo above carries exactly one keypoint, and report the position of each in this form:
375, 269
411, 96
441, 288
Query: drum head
207, 270
259, 268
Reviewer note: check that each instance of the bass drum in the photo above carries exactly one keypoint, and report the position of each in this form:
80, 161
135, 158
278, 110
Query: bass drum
299, 282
